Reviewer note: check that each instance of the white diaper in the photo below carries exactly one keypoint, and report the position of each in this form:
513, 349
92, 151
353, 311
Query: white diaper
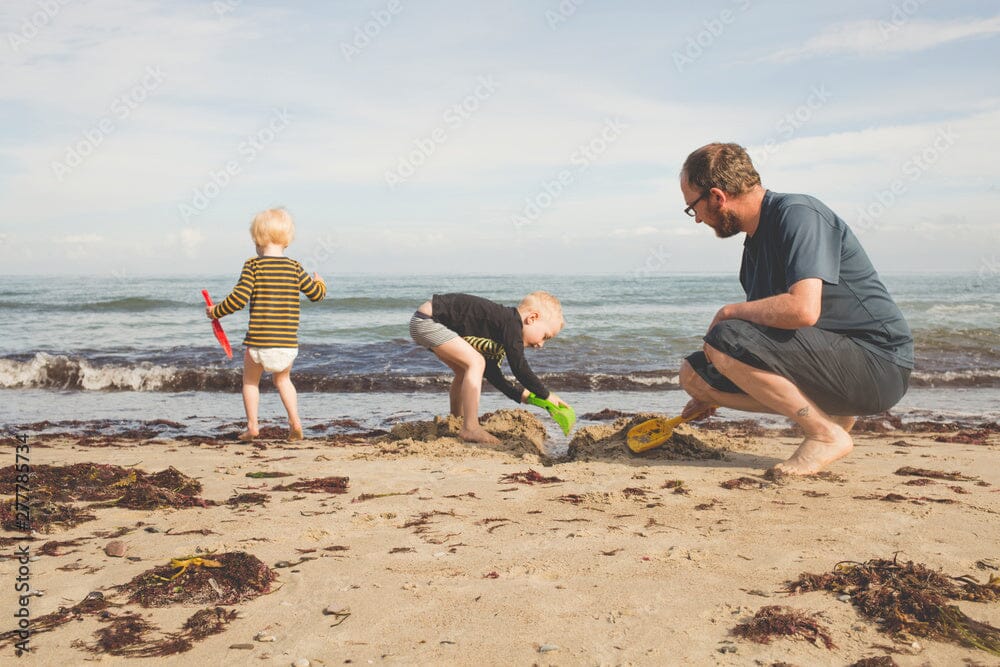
273, 359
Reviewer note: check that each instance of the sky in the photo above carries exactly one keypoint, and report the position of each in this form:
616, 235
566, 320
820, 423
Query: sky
141, 136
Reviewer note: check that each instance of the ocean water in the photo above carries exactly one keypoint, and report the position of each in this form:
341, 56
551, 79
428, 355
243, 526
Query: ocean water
106, 347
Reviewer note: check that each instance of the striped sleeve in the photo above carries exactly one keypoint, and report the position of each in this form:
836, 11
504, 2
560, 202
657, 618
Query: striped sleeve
240, 295
315, 290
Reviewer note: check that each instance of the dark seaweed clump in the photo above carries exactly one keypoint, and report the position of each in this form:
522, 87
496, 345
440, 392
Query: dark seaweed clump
911, 599
222, 579
53, 487
779, 621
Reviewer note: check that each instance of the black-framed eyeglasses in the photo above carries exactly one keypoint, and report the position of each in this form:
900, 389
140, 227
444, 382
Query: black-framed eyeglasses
689, 211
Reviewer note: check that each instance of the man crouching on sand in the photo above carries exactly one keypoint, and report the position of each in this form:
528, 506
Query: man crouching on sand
818, 340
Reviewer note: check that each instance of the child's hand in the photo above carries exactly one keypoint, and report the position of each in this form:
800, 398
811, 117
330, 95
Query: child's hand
317, 278
208, 312
553, 398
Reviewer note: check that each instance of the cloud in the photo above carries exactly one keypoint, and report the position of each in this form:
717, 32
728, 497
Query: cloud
879, 37
80, 239
189, 240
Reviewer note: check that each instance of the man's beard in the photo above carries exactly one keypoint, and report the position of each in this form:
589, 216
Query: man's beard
729, 225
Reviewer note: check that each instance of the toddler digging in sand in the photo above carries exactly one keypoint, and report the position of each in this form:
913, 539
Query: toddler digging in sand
471, 335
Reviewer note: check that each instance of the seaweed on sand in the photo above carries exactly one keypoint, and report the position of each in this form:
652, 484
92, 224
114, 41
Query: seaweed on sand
744, 483
176, 481
94, 603
80, 481
321, 485
40, 513
248, 499
126, 635
911, 599
779, 621
935, 474
115, 485
223, 579
142, 495
529, 477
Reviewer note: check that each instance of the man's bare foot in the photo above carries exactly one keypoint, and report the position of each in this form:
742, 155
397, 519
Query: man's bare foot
814, 454
478, 435
247, 436
295, 434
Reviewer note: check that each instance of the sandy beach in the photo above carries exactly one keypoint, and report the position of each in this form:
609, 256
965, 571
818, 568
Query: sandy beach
441, 552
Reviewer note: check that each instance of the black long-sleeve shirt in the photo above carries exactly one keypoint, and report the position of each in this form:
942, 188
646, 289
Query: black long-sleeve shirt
474, 316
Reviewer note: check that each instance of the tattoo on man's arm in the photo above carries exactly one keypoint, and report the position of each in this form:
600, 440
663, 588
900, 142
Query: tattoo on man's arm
804, 412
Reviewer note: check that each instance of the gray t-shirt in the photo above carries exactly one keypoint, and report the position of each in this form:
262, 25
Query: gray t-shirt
800, 237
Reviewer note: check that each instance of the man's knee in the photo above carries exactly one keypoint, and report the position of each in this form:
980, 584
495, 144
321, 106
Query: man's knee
718, 359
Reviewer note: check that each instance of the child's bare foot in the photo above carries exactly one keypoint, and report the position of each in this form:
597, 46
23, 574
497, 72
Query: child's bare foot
478, 435
247, 436
814, 453
295, 434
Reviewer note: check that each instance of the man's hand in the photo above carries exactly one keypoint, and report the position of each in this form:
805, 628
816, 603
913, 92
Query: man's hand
695, 408
723, 314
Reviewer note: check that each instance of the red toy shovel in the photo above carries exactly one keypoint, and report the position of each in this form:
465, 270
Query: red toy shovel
217, 328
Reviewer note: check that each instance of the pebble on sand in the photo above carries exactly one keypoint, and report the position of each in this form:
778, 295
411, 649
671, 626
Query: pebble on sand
115, 548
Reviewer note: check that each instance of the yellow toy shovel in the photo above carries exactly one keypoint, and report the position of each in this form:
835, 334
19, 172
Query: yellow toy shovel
654, 432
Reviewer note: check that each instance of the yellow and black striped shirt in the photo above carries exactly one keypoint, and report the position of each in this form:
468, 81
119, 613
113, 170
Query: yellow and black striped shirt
271, 286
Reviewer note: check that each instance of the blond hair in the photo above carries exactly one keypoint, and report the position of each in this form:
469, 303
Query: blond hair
274, 225
546, 304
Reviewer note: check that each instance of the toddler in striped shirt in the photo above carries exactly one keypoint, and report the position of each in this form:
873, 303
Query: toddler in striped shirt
270, 283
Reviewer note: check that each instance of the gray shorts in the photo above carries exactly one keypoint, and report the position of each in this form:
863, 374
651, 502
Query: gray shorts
841, 376
428, 333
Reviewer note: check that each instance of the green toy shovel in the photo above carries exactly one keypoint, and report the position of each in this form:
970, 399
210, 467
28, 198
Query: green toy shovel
564, 416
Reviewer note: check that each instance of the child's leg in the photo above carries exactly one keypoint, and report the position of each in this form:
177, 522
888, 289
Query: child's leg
251, 394
460, 356
283, 383
455, 391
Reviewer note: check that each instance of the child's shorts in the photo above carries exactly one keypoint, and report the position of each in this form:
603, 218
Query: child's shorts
273, 359
429, 333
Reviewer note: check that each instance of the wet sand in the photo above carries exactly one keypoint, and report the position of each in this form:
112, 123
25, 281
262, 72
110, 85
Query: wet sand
442, 552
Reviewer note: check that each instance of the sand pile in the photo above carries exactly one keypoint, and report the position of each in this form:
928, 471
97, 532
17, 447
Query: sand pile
521, 434
609, 442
